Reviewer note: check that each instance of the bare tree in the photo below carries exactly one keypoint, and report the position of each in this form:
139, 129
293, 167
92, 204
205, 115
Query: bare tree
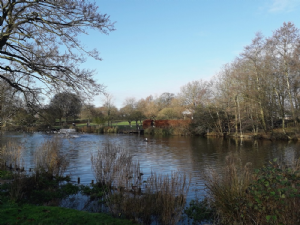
39, 43
195, 94
110, 110
254, 53
284, 43
164, 100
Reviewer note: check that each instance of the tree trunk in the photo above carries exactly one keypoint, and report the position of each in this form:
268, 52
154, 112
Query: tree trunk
236, 116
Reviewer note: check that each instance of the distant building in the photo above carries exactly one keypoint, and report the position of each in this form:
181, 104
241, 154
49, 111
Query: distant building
188, 113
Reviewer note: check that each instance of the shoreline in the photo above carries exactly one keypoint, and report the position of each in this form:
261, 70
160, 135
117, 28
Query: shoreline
259, 136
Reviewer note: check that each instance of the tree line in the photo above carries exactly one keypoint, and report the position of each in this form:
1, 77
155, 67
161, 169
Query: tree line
40, 56
256, 92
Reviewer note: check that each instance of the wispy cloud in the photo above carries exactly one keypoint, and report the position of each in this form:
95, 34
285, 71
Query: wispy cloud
283, 5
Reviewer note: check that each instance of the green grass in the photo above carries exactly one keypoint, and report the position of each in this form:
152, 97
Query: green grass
121, 123
30, 214
124, 123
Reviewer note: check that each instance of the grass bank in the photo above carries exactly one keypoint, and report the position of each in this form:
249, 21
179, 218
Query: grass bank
12, 213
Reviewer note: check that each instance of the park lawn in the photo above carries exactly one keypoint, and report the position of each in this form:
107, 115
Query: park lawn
124, 123
121, 123
31, 214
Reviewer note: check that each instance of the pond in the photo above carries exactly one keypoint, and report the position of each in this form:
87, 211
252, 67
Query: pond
193, 155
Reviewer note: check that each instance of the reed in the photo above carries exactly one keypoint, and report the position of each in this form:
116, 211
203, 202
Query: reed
17, 188
159, 198
12, 154
50, 159
113, 166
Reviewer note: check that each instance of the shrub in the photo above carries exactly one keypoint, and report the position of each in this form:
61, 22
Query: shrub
274, 196
159, 131
269, 195
200, 211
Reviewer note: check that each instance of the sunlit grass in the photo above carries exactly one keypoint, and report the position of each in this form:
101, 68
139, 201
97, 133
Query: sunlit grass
30, 214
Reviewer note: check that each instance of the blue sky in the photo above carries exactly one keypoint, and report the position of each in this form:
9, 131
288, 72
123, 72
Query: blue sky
160, 45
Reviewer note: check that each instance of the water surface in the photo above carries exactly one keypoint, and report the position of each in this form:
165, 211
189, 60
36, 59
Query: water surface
193, 155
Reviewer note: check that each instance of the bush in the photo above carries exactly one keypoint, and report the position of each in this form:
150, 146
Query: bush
200, 211
269, 195
159, 131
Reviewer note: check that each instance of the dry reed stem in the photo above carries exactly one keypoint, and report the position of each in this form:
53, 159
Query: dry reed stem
113, 167
12, 154
50, 159
160, 197
227, 191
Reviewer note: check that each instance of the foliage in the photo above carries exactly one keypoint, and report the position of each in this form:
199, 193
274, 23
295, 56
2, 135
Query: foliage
6, 175
159, 131
168, 114
24, 117
274, 194
99, 120
199, 211
66, 104
269, 195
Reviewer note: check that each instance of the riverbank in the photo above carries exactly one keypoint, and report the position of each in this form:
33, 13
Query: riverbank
242, 195
122, 192
277, 134
173, 130
31, 200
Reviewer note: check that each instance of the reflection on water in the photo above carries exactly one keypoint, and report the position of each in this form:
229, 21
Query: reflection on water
192, 155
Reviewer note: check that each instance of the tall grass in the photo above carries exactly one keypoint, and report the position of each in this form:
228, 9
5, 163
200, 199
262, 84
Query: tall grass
50, 162
113, 166
50, 159
227, 191
159, 198
162, 199
12, 154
